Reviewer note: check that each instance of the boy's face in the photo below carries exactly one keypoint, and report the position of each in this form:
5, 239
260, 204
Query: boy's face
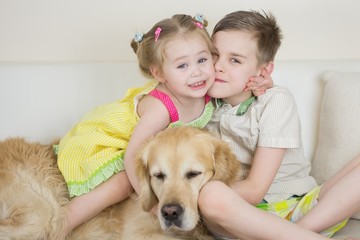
235, 64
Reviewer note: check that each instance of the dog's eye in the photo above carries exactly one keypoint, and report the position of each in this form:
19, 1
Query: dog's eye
192, 174
159, 176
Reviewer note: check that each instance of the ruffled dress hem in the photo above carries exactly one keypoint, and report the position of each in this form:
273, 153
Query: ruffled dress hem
99, 176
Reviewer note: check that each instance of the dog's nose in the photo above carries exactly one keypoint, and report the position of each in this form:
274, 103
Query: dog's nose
171, 212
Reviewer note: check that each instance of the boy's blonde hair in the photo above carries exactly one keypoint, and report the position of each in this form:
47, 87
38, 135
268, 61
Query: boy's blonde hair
263, 26
149, 48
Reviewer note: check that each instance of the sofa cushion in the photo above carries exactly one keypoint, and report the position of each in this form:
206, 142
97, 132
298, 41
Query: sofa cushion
339, 128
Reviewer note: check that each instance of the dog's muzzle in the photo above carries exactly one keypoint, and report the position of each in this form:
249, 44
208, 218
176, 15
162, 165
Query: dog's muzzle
172, 214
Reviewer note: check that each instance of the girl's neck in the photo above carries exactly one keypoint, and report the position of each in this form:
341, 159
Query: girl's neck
189, 108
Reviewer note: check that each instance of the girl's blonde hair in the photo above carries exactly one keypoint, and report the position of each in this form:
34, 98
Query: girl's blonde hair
149, 47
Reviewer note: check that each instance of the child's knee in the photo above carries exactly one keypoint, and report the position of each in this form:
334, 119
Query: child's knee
210, 203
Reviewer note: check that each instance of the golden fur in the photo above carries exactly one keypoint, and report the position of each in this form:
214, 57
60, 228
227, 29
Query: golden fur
32, 191
172, 168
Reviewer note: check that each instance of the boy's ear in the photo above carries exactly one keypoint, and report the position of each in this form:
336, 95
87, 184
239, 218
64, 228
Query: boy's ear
157, 74
269, 67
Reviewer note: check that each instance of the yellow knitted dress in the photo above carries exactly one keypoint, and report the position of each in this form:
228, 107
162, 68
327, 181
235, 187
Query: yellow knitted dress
93, 150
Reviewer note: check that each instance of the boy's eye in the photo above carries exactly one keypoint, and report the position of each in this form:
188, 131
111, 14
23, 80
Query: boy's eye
234, 60
202, 60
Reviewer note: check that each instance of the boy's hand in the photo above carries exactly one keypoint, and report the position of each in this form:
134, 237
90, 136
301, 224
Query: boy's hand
258, 85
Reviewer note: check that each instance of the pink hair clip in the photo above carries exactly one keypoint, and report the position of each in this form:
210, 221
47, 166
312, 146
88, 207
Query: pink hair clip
157, 33
199, 24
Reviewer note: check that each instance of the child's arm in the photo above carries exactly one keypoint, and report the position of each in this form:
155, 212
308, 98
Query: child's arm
279, 122
154, 118
265, 165
259, 84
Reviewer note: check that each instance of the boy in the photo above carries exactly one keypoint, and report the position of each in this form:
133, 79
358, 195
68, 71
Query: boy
265, 134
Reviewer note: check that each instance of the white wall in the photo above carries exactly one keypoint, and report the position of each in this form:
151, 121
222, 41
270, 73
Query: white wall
100, 30
41, 102
60, 58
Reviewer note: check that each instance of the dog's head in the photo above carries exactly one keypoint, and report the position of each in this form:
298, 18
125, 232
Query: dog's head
173, 167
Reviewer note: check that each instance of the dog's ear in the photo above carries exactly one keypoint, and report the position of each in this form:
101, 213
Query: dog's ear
227, 167
147, 195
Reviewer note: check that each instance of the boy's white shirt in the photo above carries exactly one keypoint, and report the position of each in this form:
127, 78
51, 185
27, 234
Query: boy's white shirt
271, 121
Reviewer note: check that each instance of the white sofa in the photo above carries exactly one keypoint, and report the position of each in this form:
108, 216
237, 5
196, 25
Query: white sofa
42, 101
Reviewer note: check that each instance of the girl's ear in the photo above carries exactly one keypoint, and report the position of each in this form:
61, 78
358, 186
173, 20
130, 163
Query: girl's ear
157, 74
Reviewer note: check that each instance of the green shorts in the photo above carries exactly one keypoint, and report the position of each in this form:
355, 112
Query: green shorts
296, 207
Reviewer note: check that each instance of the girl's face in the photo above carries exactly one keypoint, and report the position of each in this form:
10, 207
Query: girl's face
235, 64
188, 69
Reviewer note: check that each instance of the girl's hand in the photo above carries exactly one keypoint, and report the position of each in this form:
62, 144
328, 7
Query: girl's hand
258, 85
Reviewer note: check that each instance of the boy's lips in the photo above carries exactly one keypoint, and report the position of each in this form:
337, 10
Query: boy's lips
219, 80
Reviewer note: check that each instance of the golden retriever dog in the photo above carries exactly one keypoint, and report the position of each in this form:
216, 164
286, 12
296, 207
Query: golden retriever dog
32, 191
172, 168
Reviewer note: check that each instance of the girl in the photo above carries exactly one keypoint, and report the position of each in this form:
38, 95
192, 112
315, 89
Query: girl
177, 54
